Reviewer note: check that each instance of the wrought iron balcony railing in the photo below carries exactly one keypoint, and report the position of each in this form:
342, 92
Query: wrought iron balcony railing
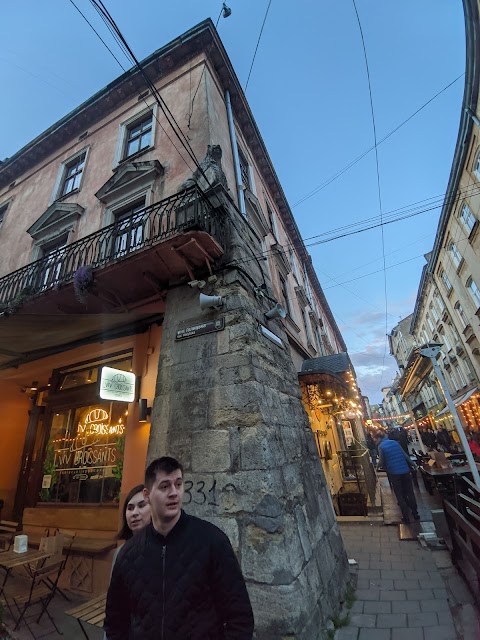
184, 211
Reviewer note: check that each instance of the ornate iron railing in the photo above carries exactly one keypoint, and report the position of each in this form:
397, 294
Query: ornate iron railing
184, 211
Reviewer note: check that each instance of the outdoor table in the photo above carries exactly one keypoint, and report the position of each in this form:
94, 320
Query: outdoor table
10, 559
434, 475
92, 612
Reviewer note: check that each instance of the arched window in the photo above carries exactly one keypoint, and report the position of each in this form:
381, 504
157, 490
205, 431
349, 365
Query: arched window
446, 281
467, 218
461, 314
476, 165
455, 254
473, 290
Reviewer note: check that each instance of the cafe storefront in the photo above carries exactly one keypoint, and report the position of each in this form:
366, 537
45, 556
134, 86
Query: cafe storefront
82, 447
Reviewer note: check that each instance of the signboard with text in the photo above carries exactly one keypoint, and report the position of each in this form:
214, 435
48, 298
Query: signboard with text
118, 385
200, 328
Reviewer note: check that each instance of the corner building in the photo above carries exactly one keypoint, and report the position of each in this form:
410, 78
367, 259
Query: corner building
110, 235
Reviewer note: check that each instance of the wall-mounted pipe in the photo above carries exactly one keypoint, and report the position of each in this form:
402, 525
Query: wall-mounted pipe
236, 159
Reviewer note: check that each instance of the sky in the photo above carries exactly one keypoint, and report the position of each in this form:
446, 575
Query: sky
309, 94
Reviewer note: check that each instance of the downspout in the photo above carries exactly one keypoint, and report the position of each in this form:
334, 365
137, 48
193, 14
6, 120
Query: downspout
236, 159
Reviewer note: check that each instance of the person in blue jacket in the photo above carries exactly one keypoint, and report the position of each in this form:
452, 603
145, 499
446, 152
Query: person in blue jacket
398, 466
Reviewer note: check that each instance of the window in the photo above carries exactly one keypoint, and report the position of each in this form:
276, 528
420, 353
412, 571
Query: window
460, 375
445, 340
244, 170
430, 323
138, 136
293, 262
285, 299
455, 254
307, 326
439, 301
446, 281
461, 314
272, 222
129, 228
3, 211
73, 174
476, 165
434, 312
52, 267
467, 218
473, 291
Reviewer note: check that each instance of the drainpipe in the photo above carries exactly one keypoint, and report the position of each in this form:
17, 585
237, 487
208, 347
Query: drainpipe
236, 159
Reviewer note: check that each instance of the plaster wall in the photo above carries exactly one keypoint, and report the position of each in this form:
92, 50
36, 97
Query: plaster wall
15, 406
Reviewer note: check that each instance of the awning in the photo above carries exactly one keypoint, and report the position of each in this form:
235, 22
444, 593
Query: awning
465, 397
457, 403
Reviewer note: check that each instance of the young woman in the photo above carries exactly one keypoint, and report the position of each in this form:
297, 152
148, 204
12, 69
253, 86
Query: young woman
135, 517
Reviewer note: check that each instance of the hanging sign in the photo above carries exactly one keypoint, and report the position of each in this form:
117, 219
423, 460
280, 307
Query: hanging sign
118, 385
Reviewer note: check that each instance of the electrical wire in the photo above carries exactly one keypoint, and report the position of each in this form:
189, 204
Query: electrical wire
339, 284
362, 155
377, 167
256, 48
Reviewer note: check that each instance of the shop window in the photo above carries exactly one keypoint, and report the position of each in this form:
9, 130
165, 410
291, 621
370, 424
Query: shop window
84, 458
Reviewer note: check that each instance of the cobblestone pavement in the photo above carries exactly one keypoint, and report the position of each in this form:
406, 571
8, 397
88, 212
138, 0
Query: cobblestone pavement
401, 594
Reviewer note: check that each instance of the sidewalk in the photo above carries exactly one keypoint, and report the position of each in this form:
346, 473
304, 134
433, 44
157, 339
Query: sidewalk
404, 591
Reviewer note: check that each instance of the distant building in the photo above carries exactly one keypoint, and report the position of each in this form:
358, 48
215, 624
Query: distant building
448, 300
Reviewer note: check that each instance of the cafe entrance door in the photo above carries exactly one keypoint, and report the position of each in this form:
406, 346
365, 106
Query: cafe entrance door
31, 464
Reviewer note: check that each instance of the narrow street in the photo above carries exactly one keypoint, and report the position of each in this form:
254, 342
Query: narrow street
405, 591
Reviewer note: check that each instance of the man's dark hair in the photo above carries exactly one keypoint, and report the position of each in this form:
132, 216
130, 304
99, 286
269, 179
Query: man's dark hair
379, 434
165, 464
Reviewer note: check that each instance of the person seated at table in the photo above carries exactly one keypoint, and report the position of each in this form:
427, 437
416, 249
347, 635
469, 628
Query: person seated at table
474, 446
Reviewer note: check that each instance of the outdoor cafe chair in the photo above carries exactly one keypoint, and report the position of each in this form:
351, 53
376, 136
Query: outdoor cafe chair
38, 591
8, 530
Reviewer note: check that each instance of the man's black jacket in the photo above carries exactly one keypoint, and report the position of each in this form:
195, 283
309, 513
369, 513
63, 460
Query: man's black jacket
185, 586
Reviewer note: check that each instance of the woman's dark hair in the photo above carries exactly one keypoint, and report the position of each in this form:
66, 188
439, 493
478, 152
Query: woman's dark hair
125, 532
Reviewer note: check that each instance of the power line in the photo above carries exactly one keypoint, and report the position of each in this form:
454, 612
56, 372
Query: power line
339, 284
362, 155
258, 42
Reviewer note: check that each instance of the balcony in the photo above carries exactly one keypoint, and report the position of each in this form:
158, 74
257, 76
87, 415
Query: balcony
134, 261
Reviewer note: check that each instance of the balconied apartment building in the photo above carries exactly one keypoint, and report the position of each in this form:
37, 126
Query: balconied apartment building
110, 235
447, 307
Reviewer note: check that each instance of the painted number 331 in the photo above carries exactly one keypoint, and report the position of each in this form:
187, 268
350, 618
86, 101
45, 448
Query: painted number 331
197, 493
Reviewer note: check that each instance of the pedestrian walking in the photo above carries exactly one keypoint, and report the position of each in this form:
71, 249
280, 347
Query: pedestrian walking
372, 448
177, 579
398, 466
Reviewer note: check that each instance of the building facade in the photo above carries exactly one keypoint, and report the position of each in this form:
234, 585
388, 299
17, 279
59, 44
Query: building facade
448, 300
156, 298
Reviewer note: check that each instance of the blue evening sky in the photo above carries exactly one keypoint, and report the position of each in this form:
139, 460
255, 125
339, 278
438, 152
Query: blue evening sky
309, 94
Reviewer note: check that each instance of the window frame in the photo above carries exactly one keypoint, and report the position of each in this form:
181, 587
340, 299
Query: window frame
474, 293
245, 170
461, 314
455, 255
476, 164
284, 291
57, 192
4, 206
446, 282
128, 124
463, 219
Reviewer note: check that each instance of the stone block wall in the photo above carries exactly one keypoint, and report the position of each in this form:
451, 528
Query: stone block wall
228, 405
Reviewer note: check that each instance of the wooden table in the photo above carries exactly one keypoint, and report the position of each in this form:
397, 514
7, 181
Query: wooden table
435, 475
10, 559
92, 612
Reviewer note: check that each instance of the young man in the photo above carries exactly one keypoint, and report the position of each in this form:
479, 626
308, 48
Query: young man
399, 466
177, 579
